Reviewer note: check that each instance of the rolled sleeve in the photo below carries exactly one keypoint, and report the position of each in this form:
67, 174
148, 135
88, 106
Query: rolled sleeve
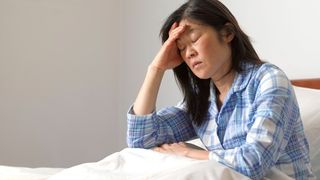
168, 125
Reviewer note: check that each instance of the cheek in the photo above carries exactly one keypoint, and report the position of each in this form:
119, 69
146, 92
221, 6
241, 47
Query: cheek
184, 58
211, 49
205, 48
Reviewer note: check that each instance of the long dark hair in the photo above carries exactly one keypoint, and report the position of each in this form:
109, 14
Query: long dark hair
212, 13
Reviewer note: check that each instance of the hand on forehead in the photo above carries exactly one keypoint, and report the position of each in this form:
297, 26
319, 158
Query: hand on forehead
189, 26
189, 23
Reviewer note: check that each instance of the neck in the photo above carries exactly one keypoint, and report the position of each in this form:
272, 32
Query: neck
224, 83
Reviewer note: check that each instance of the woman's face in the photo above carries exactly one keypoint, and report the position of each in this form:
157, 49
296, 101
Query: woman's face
206, 54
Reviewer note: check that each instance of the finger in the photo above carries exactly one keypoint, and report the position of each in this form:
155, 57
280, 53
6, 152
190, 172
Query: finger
161, 150
174, 146
177, 30
176, 33
165, 146
158, 149
177, 145
173, 26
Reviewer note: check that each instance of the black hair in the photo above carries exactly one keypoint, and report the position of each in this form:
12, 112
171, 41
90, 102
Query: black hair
213, 13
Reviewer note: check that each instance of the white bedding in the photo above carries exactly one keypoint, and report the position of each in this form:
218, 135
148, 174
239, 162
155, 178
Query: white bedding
140, 164
131, 164
24, 173
135, 164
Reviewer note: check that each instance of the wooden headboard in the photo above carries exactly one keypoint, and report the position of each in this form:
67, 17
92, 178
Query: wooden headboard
308, 83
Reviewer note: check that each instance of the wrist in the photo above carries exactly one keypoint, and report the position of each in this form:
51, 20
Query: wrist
189, 153
155, 68
197, 154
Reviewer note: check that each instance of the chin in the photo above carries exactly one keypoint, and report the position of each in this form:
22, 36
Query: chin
202, 75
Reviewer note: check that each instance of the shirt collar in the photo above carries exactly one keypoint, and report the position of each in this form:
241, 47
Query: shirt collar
240, 81
242, 78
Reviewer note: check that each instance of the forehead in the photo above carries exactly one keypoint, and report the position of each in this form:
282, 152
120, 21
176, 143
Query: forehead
191, 24
188, 21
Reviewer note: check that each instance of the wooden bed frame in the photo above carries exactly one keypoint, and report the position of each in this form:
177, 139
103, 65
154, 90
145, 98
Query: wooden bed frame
308, 83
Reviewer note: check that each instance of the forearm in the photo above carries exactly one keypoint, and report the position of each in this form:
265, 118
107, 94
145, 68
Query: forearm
146, 99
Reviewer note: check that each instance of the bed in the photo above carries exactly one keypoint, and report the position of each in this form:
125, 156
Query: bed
139, 164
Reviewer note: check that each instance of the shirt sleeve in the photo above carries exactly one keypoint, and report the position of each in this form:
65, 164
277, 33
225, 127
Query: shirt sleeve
275, 115
169, 125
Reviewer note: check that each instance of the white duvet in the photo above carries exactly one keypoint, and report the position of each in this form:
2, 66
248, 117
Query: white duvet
134, 164
141, 164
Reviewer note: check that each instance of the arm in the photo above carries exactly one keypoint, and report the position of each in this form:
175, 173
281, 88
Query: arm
169, 125
146, 99
147, 128
167, 58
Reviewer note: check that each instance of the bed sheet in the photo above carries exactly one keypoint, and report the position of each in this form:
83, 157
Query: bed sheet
24, 173
135, 164
142, 164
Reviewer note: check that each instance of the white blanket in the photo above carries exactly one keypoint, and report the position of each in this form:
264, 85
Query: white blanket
135, 164
141, 164
25, 173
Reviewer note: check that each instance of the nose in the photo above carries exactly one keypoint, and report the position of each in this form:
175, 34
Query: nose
191, 53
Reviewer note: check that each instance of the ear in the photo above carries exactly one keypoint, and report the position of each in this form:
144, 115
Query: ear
228, 32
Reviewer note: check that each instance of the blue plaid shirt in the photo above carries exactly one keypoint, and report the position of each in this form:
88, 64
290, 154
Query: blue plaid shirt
257, 127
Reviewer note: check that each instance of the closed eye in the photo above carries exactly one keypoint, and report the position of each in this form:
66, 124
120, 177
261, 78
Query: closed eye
182, 49
180, 46
195, 39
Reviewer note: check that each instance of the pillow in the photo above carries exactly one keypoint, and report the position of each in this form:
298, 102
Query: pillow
309, 103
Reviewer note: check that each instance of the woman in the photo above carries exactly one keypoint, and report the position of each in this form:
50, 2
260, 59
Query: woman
243, 110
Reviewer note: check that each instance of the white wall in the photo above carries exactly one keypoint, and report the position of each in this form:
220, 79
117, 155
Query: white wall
284, 32
70, 69
59, 98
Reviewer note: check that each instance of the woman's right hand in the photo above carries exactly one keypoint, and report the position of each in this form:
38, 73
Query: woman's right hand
169, 57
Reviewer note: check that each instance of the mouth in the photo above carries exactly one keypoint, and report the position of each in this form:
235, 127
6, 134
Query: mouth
196, 64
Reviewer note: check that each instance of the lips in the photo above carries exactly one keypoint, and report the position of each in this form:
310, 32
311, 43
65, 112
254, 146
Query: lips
195, 64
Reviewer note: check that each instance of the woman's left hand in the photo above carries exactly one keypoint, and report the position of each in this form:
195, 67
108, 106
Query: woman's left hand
183, 150
174, 148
